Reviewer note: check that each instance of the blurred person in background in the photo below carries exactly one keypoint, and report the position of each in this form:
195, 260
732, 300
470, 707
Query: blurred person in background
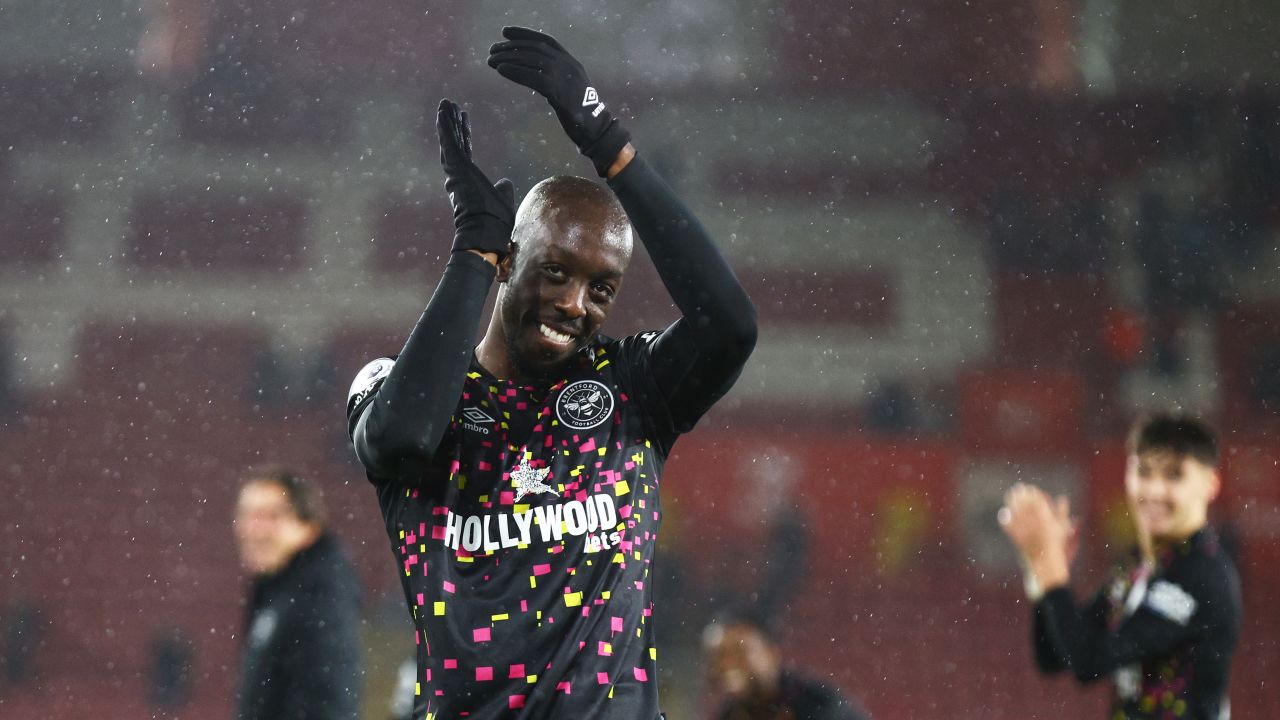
746, 666
519, 478
1165, 629
773, 501
301, 658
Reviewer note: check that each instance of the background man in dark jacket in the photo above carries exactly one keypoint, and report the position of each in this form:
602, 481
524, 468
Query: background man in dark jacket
301, 642
745, 664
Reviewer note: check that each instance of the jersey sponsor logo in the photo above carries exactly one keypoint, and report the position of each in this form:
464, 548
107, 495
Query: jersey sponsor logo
648, 337
529, 481
595, 517
584, 404
1170, 601
473, 418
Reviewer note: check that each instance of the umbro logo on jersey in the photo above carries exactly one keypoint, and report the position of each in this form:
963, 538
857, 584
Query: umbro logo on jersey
473, 418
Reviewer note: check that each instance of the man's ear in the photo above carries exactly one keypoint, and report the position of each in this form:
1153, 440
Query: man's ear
508, 262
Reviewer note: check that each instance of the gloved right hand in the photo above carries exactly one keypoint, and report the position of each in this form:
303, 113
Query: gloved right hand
483, 214
539, 62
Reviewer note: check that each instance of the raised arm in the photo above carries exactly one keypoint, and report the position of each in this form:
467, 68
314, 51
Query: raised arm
697, 359
1067, 636
398, 412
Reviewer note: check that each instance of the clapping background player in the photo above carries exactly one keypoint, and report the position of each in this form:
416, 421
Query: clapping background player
1165, 629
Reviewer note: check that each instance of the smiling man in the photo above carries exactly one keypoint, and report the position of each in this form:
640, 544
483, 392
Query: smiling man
519, 478
1165, 629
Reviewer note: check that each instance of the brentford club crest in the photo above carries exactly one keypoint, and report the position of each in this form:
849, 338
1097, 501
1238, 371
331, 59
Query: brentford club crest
584, 404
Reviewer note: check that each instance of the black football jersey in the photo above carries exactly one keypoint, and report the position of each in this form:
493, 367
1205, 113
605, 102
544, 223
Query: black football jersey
1165, 634
526, 549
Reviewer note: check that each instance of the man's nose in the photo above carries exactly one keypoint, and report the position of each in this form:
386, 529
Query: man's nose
1155, 488
571, 301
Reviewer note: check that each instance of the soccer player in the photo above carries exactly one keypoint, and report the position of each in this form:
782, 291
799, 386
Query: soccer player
301, 656
519, 479
1164, 631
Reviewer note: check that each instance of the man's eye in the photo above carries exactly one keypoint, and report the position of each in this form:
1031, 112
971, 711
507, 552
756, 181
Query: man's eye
603, 291
554, 271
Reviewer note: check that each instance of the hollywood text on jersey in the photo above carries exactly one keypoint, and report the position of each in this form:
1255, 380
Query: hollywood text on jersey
595, 517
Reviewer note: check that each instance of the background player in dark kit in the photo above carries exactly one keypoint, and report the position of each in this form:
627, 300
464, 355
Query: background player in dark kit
301, 656
519, 483
1166, 629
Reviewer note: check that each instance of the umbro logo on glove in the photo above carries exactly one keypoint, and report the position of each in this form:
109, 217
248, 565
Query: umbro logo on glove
537, 61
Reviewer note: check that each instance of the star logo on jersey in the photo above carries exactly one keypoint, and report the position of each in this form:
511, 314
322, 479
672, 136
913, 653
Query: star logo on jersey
529, 480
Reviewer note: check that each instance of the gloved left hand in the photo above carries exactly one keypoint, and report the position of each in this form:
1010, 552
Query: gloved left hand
483, 214
538, 62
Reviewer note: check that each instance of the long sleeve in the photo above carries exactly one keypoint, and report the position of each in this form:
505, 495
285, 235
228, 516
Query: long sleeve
398, 416
1092, 650
1047, 655
698, 358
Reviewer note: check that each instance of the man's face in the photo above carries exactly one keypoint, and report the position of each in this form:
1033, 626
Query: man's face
267, 529
560, 288
743, 662
1169, 493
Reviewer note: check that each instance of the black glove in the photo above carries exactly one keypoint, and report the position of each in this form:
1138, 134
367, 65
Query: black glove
483, 214
538, 62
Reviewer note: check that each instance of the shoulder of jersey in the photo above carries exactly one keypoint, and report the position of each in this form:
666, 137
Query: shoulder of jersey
1207, 565
368, 379
640, 339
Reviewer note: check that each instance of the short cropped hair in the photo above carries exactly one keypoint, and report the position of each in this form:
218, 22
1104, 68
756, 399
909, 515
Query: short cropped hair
1179, 434
741, 614
303, 495
583, 199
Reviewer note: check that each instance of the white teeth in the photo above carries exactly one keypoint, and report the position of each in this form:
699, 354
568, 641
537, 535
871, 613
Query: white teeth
552, 334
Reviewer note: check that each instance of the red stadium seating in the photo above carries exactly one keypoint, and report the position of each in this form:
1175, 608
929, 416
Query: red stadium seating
169, 375
1250, 337
1020, 412
927, 47
412, 236
199, 232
